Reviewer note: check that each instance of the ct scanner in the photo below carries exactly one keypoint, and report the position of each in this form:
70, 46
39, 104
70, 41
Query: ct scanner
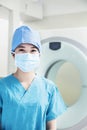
64, 60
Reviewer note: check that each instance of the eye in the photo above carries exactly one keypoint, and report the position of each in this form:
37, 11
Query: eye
21, 50
34, 50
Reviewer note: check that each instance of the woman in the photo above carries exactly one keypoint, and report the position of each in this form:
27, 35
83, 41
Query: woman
27, 101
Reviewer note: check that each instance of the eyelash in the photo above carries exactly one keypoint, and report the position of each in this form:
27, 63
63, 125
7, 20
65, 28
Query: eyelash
34, 50
21, 50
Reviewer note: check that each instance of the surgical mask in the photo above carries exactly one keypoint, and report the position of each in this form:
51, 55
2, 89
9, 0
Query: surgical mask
27, 62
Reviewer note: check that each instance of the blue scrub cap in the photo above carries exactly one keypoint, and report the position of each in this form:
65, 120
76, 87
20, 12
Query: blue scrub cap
25, 34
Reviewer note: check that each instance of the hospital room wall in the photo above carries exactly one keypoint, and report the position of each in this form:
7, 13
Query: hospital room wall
61, 21
4, 25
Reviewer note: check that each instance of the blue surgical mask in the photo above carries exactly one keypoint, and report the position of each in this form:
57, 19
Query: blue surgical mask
27, 62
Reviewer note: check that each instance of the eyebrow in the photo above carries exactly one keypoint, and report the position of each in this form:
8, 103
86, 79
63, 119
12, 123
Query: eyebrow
21, 46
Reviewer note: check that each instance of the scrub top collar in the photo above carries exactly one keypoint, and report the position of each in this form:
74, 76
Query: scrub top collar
18, 88
16, 79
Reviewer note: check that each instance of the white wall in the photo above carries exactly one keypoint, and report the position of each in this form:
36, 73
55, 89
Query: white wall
62, 14
59, 7
25, 7
3, 47
61, 21
4, 25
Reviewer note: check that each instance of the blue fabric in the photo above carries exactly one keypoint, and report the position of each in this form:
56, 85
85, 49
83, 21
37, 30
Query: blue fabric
25, 34
29, 109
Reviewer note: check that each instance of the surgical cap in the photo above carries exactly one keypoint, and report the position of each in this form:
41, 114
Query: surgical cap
25, 34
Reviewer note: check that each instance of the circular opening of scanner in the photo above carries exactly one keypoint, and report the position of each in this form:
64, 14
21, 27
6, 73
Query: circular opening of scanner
67, 77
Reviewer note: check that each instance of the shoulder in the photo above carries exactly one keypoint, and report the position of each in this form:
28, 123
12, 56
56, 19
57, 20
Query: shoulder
46, 81
4, 81
49, 85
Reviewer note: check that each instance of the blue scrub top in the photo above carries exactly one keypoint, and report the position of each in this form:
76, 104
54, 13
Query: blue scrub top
29, 109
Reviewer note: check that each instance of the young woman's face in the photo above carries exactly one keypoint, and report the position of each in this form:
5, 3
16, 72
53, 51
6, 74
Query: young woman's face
26, 48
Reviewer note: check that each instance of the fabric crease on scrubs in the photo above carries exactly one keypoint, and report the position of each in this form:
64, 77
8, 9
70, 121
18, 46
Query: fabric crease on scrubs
29, 109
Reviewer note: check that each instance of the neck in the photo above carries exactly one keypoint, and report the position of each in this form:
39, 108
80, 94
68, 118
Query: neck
24, 76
